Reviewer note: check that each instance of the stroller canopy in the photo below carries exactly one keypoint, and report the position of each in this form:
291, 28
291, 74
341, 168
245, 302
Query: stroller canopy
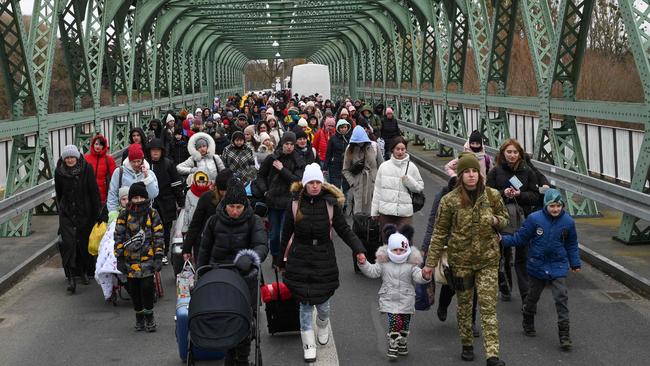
220, 311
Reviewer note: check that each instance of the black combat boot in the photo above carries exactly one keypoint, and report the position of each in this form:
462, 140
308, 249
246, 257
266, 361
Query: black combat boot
494, 361
468, 353
149, 321
72, 285
529, 325
139, 321
442, 314
565, 339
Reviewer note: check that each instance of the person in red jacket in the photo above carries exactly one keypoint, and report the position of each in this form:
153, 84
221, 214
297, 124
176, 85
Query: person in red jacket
102, 164
322, 138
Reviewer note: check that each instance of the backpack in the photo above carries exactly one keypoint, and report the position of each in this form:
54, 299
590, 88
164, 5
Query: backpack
294, 210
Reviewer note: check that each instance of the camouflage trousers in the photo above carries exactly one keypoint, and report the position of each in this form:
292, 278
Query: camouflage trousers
486, 282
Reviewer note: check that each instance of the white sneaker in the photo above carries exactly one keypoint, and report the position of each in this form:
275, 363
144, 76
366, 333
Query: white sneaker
322, 331
165, 260
308, 345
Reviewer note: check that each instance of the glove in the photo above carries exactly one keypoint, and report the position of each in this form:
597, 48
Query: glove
357, 167
244, 264
157, 263
121, 265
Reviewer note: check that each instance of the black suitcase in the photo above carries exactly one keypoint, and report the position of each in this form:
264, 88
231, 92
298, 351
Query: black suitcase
282, 315
369, 233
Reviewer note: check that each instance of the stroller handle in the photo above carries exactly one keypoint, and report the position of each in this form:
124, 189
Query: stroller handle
201, 270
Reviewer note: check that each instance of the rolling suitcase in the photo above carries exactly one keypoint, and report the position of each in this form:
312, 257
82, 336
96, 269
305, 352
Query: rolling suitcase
369, 232
282, 315
182, 332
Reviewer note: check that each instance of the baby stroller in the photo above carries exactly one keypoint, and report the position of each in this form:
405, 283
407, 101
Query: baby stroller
222, 313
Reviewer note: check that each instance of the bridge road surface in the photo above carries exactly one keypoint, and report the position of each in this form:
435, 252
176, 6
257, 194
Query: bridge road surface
41, 325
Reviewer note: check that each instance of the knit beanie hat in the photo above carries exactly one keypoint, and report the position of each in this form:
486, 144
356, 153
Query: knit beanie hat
198, 111
189, 116
465, 161
138, 189
300, 133
135, 152
170, 118
200, 142
70, 151
302, 123
288, 137
344, 111
476, 136
237, 135
395, 241
222, 179
553, 195
123, 192
389, 110
312, 172
235, 194
264, 136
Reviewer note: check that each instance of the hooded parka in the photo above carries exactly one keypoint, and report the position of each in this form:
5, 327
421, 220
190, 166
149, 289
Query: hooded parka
129, 176
209, 163
362, 182
276, 183
102, 164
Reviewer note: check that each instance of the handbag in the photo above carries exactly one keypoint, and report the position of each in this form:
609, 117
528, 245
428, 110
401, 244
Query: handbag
425, 296
95, 238
516, 214
185, 280
439, 271
417, 198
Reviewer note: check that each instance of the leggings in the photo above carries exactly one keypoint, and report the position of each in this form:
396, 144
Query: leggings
142, 293
398, 322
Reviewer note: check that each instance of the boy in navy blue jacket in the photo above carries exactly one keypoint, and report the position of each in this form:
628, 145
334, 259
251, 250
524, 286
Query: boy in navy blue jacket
553, 249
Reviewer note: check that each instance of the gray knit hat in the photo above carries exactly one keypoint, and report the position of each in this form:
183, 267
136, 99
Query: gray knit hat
70, 151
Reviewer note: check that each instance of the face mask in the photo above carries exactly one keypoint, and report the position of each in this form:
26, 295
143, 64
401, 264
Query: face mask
476, 149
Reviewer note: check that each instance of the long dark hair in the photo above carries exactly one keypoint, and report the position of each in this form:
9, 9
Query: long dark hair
465, 201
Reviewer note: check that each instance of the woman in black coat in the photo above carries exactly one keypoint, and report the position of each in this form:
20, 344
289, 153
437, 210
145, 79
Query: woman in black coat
510, 162
77, 199
274, 179
234, 234
309, 260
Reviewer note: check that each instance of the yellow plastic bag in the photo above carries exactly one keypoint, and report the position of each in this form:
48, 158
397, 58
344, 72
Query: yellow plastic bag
95, 238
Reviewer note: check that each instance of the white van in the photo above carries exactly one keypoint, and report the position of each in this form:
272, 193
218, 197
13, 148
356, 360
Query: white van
309, 79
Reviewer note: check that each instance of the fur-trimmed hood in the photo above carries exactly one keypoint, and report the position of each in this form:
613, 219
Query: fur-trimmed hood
191, 147
415, 258
336, 194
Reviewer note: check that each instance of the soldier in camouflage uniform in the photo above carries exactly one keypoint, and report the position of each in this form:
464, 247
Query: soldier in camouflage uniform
471, 216
139, 243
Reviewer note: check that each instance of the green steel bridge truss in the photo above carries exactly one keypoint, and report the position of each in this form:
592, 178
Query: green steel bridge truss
157, 54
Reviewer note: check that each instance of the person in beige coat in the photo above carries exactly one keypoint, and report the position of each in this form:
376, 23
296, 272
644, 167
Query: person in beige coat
360, 164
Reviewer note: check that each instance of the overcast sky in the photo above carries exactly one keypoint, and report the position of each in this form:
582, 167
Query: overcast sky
26, 6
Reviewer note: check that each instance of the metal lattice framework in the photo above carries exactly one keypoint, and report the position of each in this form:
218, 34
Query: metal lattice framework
409, 54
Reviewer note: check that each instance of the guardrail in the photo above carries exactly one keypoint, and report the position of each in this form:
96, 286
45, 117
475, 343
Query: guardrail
621, 198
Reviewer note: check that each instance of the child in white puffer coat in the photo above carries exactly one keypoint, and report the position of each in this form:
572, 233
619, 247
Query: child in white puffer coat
398, 265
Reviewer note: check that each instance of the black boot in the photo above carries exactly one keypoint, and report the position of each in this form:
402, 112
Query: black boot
84, 278
565, 339
149, 321
494, 361
529, 325
442, 314
72, 285
139, 321
468, 353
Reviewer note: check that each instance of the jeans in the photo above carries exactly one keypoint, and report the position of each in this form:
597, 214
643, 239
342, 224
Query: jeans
306, 314
276, 218
560, 296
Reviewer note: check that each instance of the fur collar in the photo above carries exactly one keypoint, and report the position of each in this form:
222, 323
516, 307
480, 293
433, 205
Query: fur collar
415, 258
191, 145
296, 188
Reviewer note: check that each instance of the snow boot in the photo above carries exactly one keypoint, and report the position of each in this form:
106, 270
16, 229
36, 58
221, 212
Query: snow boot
565, 339
494, 361
149, 321
402, 343
322, 331
393, 339
468, 353
529, 325
139, 321
308, 345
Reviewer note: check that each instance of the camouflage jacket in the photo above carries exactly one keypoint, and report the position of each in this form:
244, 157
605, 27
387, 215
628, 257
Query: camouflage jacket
473, 241
138, 239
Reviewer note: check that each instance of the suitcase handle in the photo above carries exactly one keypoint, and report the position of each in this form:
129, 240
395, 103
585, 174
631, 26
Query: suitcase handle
277, 280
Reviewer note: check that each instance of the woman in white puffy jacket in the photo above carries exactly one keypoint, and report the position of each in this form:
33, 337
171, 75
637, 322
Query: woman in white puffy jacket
201, 147
396, 179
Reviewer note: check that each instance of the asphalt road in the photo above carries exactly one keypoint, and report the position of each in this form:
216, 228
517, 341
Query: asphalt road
41, 325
